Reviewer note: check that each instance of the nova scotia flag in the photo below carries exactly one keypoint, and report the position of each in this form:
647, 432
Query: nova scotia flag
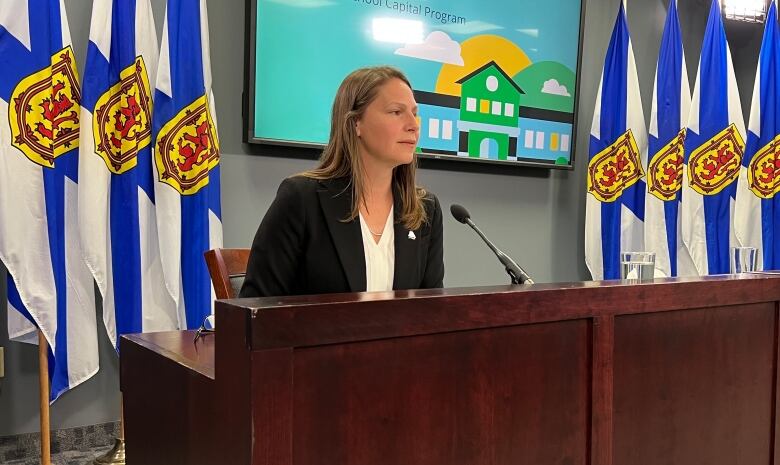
757, 211
615, 201
187, 186
714, 145
116, 192
671, 104
39, 138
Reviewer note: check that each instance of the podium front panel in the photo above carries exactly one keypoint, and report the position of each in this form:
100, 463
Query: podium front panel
517, 394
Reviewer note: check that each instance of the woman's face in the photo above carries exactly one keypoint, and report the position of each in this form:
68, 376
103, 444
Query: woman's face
388, 130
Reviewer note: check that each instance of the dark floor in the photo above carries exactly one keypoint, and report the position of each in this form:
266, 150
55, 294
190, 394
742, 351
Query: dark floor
65, 458
74, 446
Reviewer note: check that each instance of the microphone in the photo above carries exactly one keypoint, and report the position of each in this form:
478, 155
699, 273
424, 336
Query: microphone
518, 275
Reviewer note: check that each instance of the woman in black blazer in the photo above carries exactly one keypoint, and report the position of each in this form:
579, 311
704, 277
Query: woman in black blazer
311, 240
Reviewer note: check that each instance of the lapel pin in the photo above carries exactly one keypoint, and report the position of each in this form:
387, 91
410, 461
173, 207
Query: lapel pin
411, 235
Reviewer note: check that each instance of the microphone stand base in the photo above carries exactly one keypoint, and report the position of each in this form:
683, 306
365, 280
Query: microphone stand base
116, 456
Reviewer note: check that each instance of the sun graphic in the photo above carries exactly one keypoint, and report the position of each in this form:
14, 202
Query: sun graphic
477, 51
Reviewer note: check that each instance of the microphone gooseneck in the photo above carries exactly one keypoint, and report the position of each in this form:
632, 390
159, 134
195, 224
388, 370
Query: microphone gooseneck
516, 273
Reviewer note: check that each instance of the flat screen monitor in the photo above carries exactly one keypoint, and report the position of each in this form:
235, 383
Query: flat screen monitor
495, 80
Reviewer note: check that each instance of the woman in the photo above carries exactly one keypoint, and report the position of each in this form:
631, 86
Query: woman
358, 221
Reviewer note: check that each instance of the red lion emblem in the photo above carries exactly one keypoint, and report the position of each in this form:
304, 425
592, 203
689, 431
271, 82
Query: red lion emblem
124, 120
196, 152
56, 110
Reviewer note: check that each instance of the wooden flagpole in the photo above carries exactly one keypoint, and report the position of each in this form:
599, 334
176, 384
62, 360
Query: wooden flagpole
43, 380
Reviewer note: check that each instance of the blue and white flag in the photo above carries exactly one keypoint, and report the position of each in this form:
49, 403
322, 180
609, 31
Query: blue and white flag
39, 139
669, 116
615, 201
757, 211
116, 189
714, 144
187, 160
21, 326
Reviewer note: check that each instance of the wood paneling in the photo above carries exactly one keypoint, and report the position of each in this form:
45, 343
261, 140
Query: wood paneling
677, 371
510, 395
695, 386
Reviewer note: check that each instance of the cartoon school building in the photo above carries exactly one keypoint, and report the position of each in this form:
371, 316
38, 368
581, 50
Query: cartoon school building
487, 121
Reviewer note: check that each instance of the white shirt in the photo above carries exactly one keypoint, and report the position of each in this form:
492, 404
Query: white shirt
380, 256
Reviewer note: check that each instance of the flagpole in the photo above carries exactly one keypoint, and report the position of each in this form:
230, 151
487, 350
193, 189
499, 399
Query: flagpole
43, 380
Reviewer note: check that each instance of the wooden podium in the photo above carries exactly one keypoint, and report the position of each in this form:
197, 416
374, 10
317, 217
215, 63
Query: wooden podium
677, 371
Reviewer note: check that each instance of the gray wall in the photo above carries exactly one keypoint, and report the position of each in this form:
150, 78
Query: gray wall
536, 216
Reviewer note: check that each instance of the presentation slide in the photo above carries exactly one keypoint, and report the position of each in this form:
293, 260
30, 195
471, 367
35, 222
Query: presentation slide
494, 80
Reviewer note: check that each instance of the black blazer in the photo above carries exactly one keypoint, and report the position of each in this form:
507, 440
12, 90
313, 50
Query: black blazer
301, 247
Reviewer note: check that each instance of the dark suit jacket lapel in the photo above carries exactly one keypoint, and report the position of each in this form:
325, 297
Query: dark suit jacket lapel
336, 203
405, 275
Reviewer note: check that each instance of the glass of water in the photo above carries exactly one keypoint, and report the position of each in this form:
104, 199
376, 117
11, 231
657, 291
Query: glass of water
742, 259
637, 266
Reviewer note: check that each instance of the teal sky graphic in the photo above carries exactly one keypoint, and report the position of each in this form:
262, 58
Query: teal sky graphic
306, 47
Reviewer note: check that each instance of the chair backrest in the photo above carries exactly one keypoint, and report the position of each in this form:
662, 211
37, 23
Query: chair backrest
227, 268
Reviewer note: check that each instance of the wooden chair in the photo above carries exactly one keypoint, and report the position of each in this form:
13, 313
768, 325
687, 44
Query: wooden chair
227, 268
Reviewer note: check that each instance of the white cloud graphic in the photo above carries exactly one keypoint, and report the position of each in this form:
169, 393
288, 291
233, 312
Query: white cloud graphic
437, 47
552, 86
529, 32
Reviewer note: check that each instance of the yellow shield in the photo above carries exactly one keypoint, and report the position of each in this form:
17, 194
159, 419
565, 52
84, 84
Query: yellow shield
715, 164
122, 124
764, 170
44, 110
615, 169
664, 174
187, 148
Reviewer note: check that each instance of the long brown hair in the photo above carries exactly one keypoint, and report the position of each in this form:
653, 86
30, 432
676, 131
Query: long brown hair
341, 158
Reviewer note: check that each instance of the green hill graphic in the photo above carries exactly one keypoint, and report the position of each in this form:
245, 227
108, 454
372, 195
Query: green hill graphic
532, 80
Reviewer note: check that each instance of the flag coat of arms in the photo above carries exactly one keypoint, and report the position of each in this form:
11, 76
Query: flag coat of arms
714, 146
669, 116
39, 138
757, 211
615, 200
116, 192
187, 170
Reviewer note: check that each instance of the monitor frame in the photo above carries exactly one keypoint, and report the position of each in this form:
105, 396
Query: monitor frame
248, 113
